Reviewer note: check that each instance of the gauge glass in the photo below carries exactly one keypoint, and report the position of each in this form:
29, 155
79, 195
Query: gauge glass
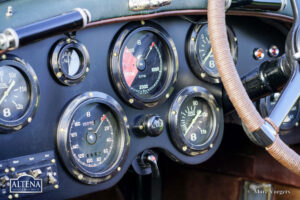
196, 121
204, 51
145, 63
15, 94
93, 137
70, 62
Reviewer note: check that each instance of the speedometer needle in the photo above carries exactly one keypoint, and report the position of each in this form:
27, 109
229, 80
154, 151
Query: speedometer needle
150, 49
193, 121
6, 93
206, 58
102, 120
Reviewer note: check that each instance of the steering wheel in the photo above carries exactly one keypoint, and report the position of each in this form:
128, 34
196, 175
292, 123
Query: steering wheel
264, 131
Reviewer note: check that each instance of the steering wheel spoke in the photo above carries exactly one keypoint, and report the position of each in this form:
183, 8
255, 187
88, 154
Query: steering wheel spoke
287, 99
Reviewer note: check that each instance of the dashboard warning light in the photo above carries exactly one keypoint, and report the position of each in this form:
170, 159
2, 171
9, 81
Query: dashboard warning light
273, 51
259, 54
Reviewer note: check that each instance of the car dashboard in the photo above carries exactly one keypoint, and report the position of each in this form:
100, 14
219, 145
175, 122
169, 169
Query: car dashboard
79, 108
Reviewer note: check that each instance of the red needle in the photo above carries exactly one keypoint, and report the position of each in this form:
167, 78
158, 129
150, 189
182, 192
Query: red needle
152, 45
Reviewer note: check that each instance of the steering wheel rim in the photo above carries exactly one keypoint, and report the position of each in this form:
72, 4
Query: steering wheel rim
266, 130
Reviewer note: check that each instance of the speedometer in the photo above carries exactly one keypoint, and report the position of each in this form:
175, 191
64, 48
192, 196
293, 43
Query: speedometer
92, 137
200, 54
144, 65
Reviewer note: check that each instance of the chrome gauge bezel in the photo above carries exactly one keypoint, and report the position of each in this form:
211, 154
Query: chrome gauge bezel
56, 54
115, 65
175, 130
32, 81
192, 52
65, 121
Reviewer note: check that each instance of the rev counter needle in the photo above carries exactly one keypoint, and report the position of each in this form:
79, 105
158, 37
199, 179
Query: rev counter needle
150, 49
102, 120
6, 93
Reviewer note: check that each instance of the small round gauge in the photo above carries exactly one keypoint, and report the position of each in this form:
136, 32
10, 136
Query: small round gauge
292, 119
144, 65
194, 120
92, 137
200, 52
69, 61
19, 93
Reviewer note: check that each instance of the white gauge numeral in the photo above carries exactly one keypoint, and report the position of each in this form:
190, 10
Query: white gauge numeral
73, 134
195, 103
212, 64
139, 42
193, 137
81, 155
6, 112
77, 124
106, 128
89, 160
88, 114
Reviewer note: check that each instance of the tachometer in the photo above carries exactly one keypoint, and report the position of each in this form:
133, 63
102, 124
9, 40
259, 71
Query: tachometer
92, 137
19, 93
194, 120
200, 53
144, 65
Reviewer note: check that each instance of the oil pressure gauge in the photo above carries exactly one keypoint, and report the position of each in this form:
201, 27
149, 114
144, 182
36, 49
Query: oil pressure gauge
19, 93
69, 61
194, 120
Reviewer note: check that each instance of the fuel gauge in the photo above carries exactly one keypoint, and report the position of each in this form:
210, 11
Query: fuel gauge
70, 61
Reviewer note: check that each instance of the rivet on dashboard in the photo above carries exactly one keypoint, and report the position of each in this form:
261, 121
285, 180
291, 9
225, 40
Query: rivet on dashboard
296, 124
218, 109
119, 169
35, 78
211, 146
143, 22
61, 130
6, 170
10, 196
16, 196
184, 148
193, 39
173, 112
195, 89
58, 74
125, 119
80, 177
87, 69
91, 94
56, 186
131, 101
53, 161
12, 169
167, 95
68, 40
3, 56
29, 120
203, 75
141, 127
115, 54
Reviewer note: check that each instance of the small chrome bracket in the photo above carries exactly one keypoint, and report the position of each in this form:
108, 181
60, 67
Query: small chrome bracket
227, 4
139, 5
266, 135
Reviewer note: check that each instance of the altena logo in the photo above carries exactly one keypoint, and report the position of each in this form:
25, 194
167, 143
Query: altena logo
26, 184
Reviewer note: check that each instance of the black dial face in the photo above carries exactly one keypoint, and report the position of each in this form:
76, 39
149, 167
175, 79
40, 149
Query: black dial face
15, 94
292, 117
196, 121
204, 52
93, 137
70, 61
145, 63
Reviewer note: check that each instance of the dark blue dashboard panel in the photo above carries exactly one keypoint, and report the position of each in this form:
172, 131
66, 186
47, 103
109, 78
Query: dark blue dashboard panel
40, 135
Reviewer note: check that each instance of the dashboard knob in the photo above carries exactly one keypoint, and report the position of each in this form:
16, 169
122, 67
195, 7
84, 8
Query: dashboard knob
149, 125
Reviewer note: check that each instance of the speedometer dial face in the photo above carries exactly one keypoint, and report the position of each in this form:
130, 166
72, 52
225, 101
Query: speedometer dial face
200, 52
92, 137
194, 120
144, 65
